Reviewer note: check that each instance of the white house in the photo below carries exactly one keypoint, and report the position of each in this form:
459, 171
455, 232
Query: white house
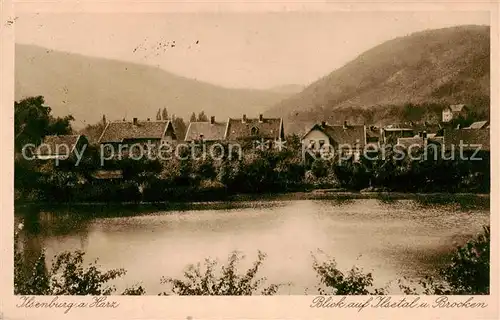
340, 138
453, 112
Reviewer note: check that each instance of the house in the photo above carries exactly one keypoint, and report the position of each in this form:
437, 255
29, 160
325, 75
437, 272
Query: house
208, 131
61, 147
390, 134
478, 125
454, 112
261, 131
345, 139
470, 140
422, 139
373, 135
126, 133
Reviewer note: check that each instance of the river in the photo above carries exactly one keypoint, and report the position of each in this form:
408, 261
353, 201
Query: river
390, 238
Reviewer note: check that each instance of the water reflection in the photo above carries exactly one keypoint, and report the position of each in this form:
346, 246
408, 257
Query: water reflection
390, 238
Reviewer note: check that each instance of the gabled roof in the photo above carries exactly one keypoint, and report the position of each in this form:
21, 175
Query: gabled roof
455, 108
350, 134
210, 131
121, 130
268, 128
477, 125
54, 146
467, 137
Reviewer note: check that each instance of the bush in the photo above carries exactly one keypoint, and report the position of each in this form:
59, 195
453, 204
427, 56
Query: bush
469, 270
335, 282
229, 282
468, 273
67, 276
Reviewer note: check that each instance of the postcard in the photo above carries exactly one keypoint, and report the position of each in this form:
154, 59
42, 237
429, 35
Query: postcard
224, 160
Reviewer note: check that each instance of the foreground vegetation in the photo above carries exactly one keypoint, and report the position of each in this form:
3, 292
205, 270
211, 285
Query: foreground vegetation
468, 272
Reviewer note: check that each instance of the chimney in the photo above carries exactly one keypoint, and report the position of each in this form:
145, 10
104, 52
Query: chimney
135, 121
261, 117
172, 117
345, 124
323, 124
244, 119
212, 120
149, 119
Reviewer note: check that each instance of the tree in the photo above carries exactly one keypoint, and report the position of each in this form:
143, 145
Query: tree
202, 117
193, 117
164, 114
180, 128
33, 121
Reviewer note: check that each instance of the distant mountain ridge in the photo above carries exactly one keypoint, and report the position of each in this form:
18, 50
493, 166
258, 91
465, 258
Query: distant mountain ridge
450, 65
288, 88
88, 87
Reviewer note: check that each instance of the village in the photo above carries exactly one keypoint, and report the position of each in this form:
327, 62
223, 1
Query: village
269, 133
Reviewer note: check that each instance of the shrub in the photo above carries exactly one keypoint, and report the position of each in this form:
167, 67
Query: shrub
67, 276
469, 270
335, 282
229, 282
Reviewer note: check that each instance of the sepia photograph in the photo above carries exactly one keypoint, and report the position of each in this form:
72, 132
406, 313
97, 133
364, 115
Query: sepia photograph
317, 153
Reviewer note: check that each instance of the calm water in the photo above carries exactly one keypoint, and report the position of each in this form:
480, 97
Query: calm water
391, 239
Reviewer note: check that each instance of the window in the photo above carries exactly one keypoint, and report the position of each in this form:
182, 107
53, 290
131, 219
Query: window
321, 143
312, 144
254, 131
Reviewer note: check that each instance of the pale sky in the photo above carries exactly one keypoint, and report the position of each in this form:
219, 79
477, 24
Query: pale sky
253, 50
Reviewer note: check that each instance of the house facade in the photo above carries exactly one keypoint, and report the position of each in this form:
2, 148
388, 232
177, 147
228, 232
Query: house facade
343, 139
390, 135
453, 112
255, 132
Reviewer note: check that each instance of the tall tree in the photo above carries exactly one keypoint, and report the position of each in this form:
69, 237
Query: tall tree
180, 128
193, 117
202, 117
33, 121
164, 114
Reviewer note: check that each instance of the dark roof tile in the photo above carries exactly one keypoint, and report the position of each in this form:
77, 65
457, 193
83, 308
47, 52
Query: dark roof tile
120, 130
52, 144
468, 138
210, 131
269, 128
